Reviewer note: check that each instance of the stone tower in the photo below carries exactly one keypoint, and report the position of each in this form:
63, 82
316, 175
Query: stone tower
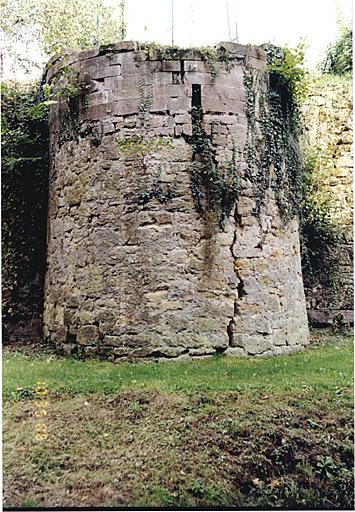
158, 242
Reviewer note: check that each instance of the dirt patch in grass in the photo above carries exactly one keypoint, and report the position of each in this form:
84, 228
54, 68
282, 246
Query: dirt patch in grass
151, 448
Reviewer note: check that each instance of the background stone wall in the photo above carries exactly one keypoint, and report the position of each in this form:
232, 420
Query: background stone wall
328, 112
133, 268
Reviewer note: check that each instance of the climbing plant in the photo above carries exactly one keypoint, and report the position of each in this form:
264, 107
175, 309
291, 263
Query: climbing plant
272, 151
214, 188
24, 200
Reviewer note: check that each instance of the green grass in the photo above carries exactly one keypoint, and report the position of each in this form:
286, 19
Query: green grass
218, 432
324, 366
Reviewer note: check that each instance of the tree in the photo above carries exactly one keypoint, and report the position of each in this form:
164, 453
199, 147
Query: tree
52, 25
339, 55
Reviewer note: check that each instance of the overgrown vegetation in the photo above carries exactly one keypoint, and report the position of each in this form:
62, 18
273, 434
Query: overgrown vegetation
276, 160
214, 188
339, 55
24, 201
138, 147
67, 91
252, 432
53, 25
319, 234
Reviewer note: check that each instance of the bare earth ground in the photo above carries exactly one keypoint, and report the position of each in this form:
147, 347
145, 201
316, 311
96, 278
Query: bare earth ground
218, 432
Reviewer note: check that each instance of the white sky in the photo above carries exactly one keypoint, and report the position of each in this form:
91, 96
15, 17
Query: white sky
205, 22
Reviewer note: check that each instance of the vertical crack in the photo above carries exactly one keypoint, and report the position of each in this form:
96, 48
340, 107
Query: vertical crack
240, 286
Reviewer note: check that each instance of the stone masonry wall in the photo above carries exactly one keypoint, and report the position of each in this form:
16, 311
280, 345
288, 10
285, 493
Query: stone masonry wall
328, 112
133, 270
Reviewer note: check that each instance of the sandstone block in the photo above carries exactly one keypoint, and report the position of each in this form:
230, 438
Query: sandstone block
105, 72
87, 335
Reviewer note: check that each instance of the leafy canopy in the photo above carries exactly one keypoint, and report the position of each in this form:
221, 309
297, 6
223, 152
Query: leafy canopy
52, 25
339, 55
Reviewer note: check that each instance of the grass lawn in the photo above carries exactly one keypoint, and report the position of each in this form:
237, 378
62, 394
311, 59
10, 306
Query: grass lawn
214, 432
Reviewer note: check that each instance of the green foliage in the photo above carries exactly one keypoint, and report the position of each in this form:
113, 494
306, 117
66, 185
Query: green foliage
288, 65
122, 28
64, 85
280, 123
319, 235
24, 200
214, 188
139, 145
339, 55
145, 102
158, 191
282, 376
53, 25
68, 89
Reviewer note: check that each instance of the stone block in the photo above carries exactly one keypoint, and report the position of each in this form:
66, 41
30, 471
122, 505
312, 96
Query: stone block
121, 46
179, 105
257, 345
113, 341
105, 72
126, 107
113, 82
179, 91
170, 65
182, 119
87, 335
194, 66
96, 63
187, 129
97, 98
194, 77
159, 104
96, 112
88, 54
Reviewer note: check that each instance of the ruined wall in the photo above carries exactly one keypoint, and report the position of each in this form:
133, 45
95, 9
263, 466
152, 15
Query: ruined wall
328, 113
134, 267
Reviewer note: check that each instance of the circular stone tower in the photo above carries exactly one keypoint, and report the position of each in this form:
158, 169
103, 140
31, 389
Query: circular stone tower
167, 233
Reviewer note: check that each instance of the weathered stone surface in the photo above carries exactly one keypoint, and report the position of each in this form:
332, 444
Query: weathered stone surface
328, 113
87, 335
133, 269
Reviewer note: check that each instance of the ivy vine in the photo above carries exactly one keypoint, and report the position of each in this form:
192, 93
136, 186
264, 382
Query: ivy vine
214, 187
273, 155
24, 190
157, 191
